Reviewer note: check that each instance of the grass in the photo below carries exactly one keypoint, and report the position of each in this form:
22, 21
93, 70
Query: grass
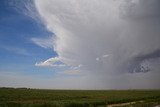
10, 97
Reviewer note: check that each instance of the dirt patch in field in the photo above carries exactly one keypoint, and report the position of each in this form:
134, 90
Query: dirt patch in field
137, 103
121, 104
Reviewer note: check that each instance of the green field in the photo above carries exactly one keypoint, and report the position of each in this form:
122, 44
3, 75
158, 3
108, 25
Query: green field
10, 97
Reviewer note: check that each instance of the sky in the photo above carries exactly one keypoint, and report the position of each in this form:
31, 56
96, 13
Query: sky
82, 44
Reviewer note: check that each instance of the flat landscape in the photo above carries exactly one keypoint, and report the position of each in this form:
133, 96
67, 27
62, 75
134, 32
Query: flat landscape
23, 97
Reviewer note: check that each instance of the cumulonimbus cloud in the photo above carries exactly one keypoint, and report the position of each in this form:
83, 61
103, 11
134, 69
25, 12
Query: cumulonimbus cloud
105, 36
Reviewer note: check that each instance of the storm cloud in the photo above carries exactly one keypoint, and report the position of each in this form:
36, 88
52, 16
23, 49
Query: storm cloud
112, 38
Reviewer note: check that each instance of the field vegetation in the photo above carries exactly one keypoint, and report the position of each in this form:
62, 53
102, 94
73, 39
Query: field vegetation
23, 97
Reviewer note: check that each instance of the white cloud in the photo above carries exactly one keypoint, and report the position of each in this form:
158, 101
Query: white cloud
51, 62
101, 58
105, 55
43, 42
76, 67
27, 8
86, 30
97, 59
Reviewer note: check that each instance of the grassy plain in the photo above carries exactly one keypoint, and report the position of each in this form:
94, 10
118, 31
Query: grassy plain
10, 97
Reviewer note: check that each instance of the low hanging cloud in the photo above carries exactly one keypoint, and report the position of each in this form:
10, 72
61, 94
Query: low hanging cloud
105, 36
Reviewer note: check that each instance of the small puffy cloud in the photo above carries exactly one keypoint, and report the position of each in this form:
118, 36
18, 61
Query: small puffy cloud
97, 59
76, 67
104, 56
51, 62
